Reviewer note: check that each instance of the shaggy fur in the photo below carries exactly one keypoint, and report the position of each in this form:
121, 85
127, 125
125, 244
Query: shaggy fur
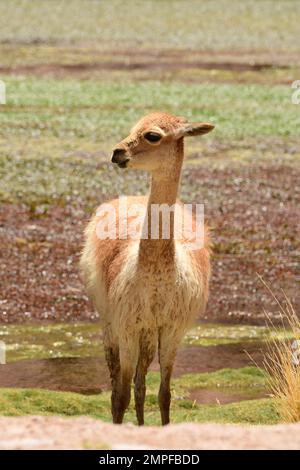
148, 292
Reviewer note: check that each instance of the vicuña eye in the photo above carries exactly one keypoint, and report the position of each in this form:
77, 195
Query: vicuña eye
152, 136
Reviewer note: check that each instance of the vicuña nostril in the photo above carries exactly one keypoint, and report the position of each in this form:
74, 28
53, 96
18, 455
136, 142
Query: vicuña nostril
118, 155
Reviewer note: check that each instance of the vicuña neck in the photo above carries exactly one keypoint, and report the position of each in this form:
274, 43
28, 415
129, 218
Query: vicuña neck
163, 193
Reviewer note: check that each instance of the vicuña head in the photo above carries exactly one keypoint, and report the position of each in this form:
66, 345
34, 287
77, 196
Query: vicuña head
151, 142
148, 291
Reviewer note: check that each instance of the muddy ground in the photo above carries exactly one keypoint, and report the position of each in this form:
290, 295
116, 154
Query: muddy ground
89, 375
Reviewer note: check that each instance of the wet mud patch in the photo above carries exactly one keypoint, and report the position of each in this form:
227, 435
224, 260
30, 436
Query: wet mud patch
207, 397
198, 359
89, 375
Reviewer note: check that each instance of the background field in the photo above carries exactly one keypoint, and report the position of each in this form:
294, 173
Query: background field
78, 75
205, 25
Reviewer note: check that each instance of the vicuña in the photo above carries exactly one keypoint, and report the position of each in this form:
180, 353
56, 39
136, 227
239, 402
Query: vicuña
147, 291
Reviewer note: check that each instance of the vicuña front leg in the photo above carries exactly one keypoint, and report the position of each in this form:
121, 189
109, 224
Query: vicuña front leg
146, 355
121, 392
167, 352
122, 399
113, 362
120, 382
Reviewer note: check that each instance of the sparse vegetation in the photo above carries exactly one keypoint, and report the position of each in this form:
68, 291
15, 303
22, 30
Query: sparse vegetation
283, 363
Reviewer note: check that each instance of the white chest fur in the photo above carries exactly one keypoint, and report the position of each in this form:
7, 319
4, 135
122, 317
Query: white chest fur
156, 295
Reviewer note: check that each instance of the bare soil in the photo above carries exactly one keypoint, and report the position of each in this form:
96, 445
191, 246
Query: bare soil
85, 433
84, 61
70, 69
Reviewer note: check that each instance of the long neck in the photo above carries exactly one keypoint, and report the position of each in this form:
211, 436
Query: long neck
164, 189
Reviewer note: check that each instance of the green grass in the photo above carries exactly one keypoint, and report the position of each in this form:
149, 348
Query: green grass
104, 111
237, 380
247, 25
52, 341
55, 133
40, 402
211, 335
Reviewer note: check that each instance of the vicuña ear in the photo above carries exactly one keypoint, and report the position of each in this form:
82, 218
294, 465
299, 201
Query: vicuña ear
193, 128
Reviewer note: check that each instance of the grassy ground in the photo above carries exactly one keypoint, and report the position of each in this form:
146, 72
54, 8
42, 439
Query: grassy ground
53, 133
103, 111
23, 402
35, 402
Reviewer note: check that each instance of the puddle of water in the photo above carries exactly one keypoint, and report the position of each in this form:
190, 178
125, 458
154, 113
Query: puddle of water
62, 357
89, 375
210, 397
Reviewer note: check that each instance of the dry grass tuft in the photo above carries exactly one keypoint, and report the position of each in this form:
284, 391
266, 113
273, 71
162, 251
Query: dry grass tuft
282, 361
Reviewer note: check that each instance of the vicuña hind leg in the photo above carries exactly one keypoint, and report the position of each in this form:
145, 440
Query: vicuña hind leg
147, 349
167, 348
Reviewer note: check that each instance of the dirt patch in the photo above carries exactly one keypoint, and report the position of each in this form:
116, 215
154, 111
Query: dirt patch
83, 375
86, 61
90, 375
40, 275
85, 433
74, 69
197, 359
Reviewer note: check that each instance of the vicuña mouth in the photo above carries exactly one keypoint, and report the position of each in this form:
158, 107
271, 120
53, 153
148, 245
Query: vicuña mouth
123, 164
